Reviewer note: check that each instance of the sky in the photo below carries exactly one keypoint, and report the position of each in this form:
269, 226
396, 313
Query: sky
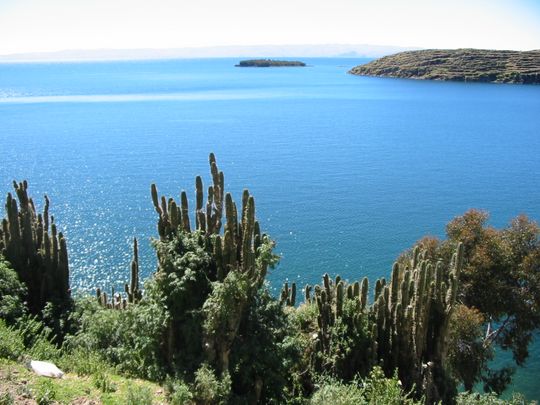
54, 25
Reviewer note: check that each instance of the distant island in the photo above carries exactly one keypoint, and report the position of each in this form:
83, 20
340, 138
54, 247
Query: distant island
269, 63
464, 65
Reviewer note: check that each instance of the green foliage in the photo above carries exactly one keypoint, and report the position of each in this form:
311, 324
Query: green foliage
12, 293
45, 392
468, 356
181, 286
374, 390
261, 356
43, 349
500, 280
217, 308
27, 337
139, 395
178, 393
129, 339
11, 342
208, 321
83, 361
406, 328
382, 390
103, 382
210, 389
466, 398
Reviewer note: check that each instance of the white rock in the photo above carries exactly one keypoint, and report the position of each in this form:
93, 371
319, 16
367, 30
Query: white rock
45, 369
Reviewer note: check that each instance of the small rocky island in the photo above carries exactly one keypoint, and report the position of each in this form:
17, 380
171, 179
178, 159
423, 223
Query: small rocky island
464, 65
270, 63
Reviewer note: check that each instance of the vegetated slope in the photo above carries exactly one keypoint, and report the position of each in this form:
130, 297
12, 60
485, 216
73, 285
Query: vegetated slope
466, 65
270, 63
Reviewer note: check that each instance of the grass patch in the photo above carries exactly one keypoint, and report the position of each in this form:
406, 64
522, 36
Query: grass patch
18, 383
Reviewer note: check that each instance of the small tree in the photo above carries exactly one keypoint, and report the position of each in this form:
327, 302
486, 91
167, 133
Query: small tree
500, 293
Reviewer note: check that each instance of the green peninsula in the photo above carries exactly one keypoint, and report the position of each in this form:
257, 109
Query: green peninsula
270, 63
464, 65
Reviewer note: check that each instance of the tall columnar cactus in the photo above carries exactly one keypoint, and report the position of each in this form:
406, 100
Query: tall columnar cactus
409, 320
238, 249
134, 294
36, 250
341, 305
173, 217
288, 295
412, 314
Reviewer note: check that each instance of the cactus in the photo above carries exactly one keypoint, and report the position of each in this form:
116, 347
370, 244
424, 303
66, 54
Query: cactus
134, 294
409, 321
288, 295
237, 249
36, 250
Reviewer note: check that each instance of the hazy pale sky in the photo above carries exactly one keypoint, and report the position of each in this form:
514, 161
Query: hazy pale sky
51, 25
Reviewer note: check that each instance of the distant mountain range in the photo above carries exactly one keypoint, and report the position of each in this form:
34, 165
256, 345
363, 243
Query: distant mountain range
255, 51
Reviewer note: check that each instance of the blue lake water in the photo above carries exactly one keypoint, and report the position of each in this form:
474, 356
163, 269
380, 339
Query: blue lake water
347, 171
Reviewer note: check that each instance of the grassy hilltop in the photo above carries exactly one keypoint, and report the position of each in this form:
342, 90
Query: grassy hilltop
464, 65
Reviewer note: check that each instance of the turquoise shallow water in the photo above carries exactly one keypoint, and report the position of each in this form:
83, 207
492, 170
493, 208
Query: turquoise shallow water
347, 171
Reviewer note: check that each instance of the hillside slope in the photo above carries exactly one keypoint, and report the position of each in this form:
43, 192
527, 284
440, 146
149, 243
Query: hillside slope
466, 65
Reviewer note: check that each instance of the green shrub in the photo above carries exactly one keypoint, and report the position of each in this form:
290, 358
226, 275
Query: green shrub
261, 353
12, 293
43, 350
209, 389
178, 393
83, 362
374, 390
388, 391
337, 393
128, 339
103, 382
466, 398
11, 342
138, 395
45, 392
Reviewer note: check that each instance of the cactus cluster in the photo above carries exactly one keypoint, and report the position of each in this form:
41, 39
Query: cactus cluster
412, 315
237, 249
207, 218
340, 306
407, 322
35, 248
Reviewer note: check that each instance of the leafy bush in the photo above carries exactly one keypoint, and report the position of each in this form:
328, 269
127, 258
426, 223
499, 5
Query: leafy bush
11, 342
137, 395
45, 392
373, 390
129, 339
338, 393
209, 389
12, 293
83, 362
178, 393
103, 382
466, 398
261, 353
